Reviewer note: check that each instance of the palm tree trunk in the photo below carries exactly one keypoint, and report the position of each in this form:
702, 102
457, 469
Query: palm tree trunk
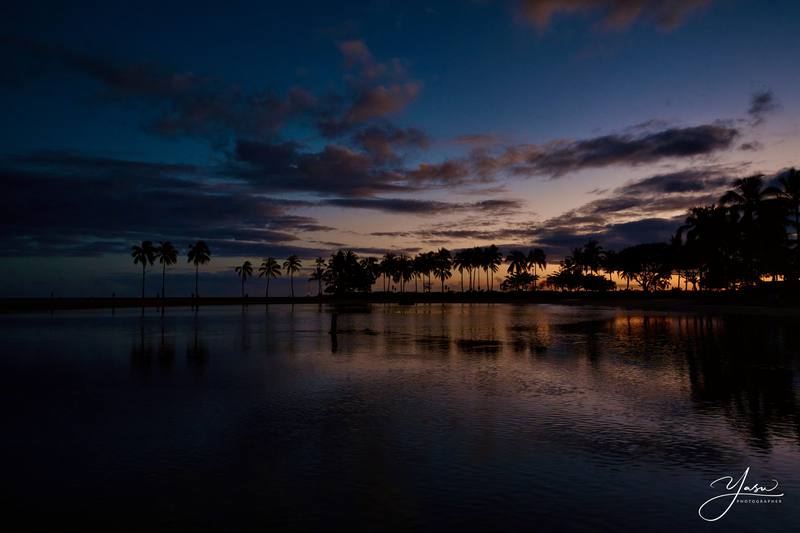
462, 279
291, 282
196, 275
163, 280
242, 286
319, 287
267, 293
144, 265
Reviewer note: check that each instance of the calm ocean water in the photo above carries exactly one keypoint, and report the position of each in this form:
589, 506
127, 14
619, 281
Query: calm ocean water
472, 417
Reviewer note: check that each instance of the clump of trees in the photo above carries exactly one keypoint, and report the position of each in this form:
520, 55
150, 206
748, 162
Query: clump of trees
750, 235
580, 270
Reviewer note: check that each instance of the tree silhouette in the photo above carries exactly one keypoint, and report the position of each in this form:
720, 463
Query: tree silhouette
789, 194
461, 263
318, 274
493, 260
143, 254
388, 265
269, 269
442, 265
199, 254
244, 271
292, 265
537, 259
167, 255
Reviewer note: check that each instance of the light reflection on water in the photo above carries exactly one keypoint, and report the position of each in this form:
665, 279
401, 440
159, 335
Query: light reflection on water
430, 416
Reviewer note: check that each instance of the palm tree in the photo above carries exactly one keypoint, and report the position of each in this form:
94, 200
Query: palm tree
318, 274
494, 258
517, 262
166, 255
537, 259
269, 269
460, 263
790, 197
592, 256
292, 265
388, 267
199, 254
244, 271
143, 254
442, 265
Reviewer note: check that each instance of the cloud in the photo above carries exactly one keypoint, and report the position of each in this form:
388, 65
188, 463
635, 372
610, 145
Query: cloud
334, 170
179, 103
376, 91
426, 207
382, 141
762, 104
634, 147
190, 104
613, 14
70, 204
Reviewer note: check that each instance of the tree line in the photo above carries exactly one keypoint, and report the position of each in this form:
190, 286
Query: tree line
750, 236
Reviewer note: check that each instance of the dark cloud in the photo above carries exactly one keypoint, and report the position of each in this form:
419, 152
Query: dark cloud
189, 104
426, 207
383, 141
560, 158
179, 103
335, 170
376, 91
762, 104
614, 14
69, 204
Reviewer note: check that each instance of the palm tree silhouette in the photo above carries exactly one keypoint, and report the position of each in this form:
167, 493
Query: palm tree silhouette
461, 263
790, 197
517, 262
318, 274
442, 265
143, 254
493, 260
387, 269
199, 254
537, 259
244, 271
166, 255
269, 269
292, 265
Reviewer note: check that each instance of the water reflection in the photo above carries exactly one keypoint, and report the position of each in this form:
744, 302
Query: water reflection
430, 415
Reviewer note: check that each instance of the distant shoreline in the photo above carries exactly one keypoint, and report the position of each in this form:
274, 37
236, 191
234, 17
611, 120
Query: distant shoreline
756, 301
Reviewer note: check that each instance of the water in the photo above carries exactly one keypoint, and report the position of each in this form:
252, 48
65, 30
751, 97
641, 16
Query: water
473, 417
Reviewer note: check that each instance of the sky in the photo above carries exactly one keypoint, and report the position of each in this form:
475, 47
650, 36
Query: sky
272, 128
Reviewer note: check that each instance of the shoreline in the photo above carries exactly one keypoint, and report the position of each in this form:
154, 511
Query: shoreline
756, 302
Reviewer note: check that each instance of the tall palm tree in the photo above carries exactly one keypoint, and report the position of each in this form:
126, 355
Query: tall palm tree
199, 254
292, 265
318, 274
269, 269
388, 266
167, 255
461, 263
442, 265
537, 259
592, 256
494, 258
477, 260
143, 254
790, 197
244, 271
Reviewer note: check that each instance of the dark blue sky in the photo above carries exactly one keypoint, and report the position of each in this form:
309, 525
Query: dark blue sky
270, 128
